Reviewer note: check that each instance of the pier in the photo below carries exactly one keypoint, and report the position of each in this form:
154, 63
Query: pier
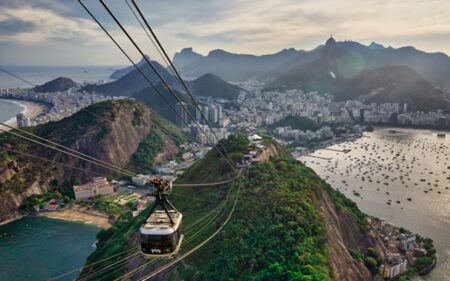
337, 150
317, 157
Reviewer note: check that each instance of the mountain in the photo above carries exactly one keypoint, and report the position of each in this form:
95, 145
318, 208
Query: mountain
124, 71
434, 67
229, 66
116, 132
154, 100
376, 46
349, 70
288, 225
185, 57
133, 82
57, 85
213, 86
394, 84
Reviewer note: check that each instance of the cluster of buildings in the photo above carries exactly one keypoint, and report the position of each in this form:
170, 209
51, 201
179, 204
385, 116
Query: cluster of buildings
98, 186
401, 248
50, 206
61, 104
212, 112
300, 136
23, 121
396, 113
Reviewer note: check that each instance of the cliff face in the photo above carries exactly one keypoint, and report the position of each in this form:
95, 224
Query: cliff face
110, 131
343, 233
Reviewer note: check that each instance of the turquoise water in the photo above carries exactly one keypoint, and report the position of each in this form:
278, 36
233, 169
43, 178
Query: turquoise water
8, 109
41, 248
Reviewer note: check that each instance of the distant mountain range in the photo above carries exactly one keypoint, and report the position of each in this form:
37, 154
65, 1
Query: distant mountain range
132, 84
228, 66
434, 67
56, 85
124, 71
341, 69
133, 81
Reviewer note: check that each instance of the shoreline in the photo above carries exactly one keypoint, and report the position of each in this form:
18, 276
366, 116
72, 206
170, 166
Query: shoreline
79, 214
11, 220
29, 110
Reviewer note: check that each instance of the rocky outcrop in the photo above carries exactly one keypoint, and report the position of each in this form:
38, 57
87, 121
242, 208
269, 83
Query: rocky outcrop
343, 233
10, 202
110, 131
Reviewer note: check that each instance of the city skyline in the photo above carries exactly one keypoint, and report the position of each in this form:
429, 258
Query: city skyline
61, 33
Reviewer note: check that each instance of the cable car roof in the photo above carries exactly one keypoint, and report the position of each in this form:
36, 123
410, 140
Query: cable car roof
158, 223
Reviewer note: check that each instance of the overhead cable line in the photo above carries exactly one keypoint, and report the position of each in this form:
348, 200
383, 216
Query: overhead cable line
208, 183
148, 35
47, 160
166, 58
188, 253
160, 77
92, 264
68, 148
34, 85
66, 152
129, 59
17, 76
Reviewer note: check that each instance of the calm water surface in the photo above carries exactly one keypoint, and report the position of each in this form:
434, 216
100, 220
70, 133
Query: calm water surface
9, 109
41, 248
41, 74
397, 164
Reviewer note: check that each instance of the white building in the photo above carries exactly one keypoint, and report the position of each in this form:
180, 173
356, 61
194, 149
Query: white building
99, 186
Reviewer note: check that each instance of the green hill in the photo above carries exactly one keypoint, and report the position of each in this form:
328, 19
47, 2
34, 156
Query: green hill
58, 84
125, 133
213, 86
288, 225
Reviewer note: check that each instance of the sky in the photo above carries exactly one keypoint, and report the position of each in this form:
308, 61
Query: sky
60, 32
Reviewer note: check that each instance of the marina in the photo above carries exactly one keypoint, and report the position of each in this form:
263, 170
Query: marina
400, 175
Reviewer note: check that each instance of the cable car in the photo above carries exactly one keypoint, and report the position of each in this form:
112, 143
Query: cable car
161, 235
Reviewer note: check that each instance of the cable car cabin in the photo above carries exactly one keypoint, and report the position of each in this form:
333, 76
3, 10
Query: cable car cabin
159, 237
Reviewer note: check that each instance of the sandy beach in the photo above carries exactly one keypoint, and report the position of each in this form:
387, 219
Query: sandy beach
30, 110
80, 214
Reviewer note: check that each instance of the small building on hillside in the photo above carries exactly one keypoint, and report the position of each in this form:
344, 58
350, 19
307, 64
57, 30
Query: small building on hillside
98, 186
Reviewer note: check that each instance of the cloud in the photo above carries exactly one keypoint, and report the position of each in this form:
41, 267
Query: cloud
31, 25
244, 26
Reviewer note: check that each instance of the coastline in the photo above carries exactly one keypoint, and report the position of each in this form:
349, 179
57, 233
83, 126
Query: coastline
79, 214
438, 268
29, 110
11, 220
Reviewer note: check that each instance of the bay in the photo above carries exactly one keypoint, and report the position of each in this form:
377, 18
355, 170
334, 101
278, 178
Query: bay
397, 164
38, 248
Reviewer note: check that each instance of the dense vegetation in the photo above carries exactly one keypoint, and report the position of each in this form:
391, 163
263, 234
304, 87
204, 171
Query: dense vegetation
146, 152
113, 241
214, 167
276, 233
143, 158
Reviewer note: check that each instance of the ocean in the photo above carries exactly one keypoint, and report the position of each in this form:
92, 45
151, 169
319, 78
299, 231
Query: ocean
9, 109
39, 248
397, 164
41, 74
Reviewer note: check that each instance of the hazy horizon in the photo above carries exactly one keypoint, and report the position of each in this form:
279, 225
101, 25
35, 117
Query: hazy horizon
61, 33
